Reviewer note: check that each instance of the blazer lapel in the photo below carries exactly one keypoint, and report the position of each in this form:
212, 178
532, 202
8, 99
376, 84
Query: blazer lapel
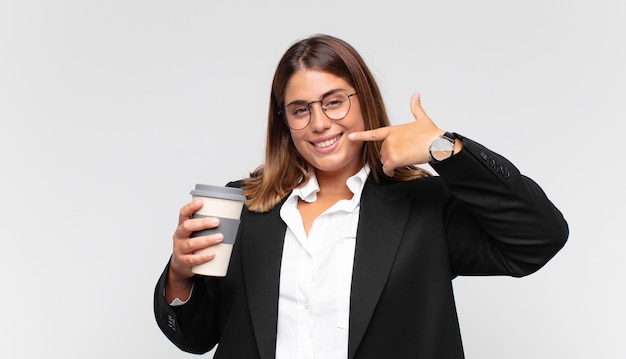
381, 224
262, 253
382, 220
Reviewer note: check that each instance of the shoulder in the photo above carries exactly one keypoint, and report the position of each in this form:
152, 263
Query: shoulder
237, 183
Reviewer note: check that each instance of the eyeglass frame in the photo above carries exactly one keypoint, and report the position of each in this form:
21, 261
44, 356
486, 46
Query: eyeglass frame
283, 112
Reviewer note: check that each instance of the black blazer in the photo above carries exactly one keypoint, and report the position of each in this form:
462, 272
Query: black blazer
479, 217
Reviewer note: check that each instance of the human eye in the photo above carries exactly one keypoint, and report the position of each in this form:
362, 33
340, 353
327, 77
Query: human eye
298, 111
334, 100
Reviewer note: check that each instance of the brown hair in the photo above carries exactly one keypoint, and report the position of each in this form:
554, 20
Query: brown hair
284, 168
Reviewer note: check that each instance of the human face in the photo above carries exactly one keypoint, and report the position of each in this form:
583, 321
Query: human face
324, 143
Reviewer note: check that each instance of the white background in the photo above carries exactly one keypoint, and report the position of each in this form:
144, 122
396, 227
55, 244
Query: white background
111, 111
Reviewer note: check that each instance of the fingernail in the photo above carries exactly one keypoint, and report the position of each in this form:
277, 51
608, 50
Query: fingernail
416, 96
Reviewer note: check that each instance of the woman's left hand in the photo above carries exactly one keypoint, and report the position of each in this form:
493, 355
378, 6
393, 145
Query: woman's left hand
403, 145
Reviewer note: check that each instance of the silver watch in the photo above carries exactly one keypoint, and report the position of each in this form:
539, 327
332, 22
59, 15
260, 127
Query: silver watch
442, 148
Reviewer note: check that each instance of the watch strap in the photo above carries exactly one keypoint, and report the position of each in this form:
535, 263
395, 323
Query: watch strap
450, 136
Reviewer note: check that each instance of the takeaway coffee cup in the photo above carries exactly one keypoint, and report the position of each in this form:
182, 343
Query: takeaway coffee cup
226, 204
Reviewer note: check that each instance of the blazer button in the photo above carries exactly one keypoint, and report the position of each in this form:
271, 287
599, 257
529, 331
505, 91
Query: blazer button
171, 322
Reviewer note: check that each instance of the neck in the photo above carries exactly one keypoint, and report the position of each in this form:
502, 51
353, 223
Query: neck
334, 183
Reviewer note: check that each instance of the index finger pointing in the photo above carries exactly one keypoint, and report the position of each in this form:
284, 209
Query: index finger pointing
377, 134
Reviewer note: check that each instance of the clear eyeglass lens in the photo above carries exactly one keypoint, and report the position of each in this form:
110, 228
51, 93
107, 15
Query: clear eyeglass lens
335, 105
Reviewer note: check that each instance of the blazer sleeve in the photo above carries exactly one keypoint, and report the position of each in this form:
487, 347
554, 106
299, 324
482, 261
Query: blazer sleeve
194, 326
498, 221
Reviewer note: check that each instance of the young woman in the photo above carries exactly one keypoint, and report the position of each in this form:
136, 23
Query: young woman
345, 248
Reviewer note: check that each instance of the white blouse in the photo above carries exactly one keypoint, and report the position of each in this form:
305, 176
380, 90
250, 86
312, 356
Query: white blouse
316, 275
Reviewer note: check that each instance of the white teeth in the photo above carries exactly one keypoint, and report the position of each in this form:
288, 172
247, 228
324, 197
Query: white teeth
327, 142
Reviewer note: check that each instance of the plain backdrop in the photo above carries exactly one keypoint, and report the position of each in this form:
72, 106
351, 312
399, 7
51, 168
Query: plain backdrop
111, 111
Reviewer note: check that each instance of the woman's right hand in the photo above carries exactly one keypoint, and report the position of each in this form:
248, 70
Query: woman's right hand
183, 257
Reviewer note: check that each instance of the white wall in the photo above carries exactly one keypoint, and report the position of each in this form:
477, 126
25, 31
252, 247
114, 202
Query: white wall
111, 111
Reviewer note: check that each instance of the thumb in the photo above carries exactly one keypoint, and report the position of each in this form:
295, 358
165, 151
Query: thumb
416, 107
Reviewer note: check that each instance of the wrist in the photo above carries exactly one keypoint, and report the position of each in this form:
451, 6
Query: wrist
176, 276
177, 286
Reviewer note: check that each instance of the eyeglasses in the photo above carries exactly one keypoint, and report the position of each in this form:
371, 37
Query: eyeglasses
335, 106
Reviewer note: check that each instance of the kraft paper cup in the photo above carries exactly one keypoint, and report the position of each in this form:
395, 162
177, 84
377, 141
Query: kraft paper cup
225, 203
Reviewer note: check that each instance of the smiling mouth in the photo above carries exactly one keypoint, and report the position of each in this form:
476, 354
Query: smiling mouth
326, 143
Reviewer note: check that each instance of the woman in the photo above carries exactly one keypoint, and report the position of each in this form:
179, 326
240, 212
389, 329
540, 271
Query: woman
345, 248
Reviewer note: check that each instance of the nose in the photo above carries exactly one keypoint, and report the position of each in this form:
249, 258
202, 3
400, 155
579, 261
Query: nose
319, 120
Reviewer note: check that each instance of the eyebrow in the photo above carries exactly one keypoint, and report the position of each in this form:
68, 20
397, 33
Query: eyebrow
300, 102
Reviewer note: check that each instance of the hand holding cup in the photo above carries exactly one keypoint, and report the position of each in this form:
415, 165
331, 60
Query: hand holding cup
185, 246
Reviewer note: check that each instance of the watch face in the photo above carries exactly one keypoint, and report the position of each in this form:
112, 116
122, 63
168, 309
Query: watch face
441, 149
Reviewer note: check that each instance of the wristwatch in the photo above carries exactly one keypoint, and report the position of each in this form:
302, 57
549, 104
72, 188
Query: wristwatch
442, 148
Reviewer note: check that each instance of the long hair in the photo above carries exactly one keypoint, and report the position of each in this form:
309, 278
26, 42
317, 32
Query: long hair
284, 168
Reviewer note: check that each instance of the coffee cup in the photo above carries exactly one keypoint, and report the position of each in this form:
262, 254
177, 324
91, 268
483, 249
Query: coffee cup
225, 203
